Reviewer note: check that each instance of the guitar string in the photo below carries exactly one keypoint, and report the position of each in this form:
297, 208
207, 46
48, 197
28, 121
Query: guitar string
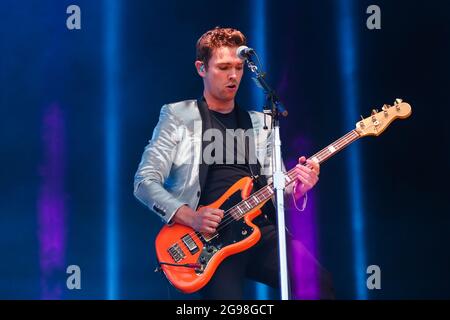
229, 218
338, 145
326, 153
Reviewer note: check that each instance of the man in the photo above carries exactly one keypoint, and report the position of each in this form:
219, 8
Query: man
175, 179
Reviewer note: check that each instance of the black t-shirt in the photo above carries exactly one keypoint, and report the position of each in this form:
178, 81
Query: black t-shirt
231, 166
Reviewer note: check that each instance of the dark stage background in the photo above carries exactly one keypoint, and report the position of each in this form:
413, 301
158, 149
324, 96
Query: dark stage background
78, 107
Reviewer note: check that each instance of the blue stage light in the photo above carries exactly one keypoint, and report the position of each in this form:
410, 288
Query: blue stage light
112, 135
349, 66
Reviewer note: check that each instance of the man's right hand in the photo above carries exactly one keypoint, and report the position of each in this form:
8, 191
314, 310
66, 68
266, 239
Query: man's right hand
204, 220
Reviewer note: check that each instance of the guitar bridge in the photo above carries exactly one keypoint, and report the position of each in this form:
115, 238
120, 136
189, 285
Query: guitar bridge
209, 236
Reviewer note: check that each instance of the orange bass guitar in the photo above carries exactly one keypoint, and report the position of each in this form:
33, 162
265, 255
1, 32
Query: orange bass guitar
189, 258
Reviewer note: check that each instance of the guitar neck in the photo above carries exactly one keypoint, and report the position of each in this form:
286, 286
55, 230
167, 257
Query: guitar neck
265, 193
327, 152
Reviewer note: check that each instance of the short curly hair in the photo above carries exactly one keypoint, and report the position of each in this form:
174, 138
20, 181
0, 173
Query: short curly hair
216, 38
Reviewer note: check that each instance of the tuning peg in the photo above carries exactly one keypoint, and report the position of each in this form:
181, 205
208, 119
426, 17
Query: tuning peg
374, 118
361, 123
397, 101
385, 107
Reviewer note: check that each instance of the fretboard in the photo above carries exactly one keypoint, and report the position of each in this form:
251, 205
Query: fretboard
265, 193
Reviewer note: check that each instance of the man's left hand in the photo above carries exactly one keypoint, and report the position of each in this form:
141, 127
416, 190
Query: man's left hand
307, 176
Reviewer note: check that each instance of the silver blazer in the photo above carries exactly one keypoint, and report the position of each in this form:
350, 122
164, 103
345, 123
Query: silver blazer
168, 175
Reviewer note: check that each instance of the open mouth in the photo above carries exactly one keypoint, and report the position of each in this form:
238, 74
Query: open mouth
231, 86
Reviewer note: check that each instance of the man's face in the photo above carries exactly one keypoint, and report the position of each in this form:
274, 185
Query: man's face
224, 74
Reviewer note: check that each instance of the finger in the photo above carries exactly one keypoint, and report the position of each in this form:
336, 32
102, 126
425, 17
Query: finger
310, 176
312, 173
303, 177
308, 182
305, 185
303, 168
315, 166
214, 218
212, 224
213, 212
217, 212
302, 160
209, 230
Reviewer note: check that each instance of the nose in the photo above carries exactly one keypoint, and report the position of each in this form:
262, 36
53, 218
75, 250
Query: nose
232, 74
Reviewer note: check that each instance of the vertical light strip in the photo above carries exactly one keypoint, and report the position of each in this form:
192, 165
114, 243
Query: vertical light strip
258, 42
111, 57
51, 205
305, 282
348, 63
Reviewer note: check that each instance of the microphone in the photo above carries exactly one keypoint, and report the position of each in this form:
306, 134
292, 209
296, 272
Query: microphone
244, 52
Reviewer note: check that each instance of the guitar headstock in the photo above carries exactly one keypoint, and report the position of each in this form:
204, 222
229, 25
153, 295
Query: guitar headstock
380, 120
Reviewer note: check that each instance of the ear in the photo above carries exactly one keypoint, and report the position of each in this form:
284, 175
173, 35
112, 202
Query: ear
199, 65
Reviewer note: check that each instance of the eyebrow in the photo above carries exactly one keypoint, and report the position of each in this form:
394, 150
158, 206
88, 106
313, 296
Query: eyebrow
228, 63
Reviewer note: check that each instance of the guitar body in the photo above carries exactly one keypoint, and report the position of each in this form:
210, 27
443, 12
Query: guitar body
180, 245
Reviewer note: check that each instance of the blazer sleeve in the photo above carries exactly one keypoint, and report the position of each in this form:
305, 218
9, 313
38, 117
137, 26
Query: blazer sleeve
155, 166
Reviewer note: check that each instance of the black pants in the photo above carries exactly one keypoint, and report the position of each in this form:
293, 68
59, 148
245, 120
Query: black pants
261, 263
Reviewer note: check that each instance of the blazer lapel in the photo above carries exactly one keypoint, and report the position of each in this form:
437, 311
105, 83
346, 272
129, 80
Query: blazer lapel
206, 124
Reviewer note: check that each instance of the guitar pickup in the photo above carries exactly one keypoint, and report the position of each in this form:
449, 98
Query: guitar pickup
176, 253
190, 244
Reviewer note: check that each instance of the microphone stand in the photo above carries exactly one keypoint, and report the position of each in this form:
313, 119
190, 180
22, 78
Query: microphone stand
275, 108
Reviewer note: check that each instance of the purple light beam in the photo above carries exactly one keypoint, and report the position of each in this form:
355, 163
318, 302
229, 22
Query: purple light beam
51, 205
